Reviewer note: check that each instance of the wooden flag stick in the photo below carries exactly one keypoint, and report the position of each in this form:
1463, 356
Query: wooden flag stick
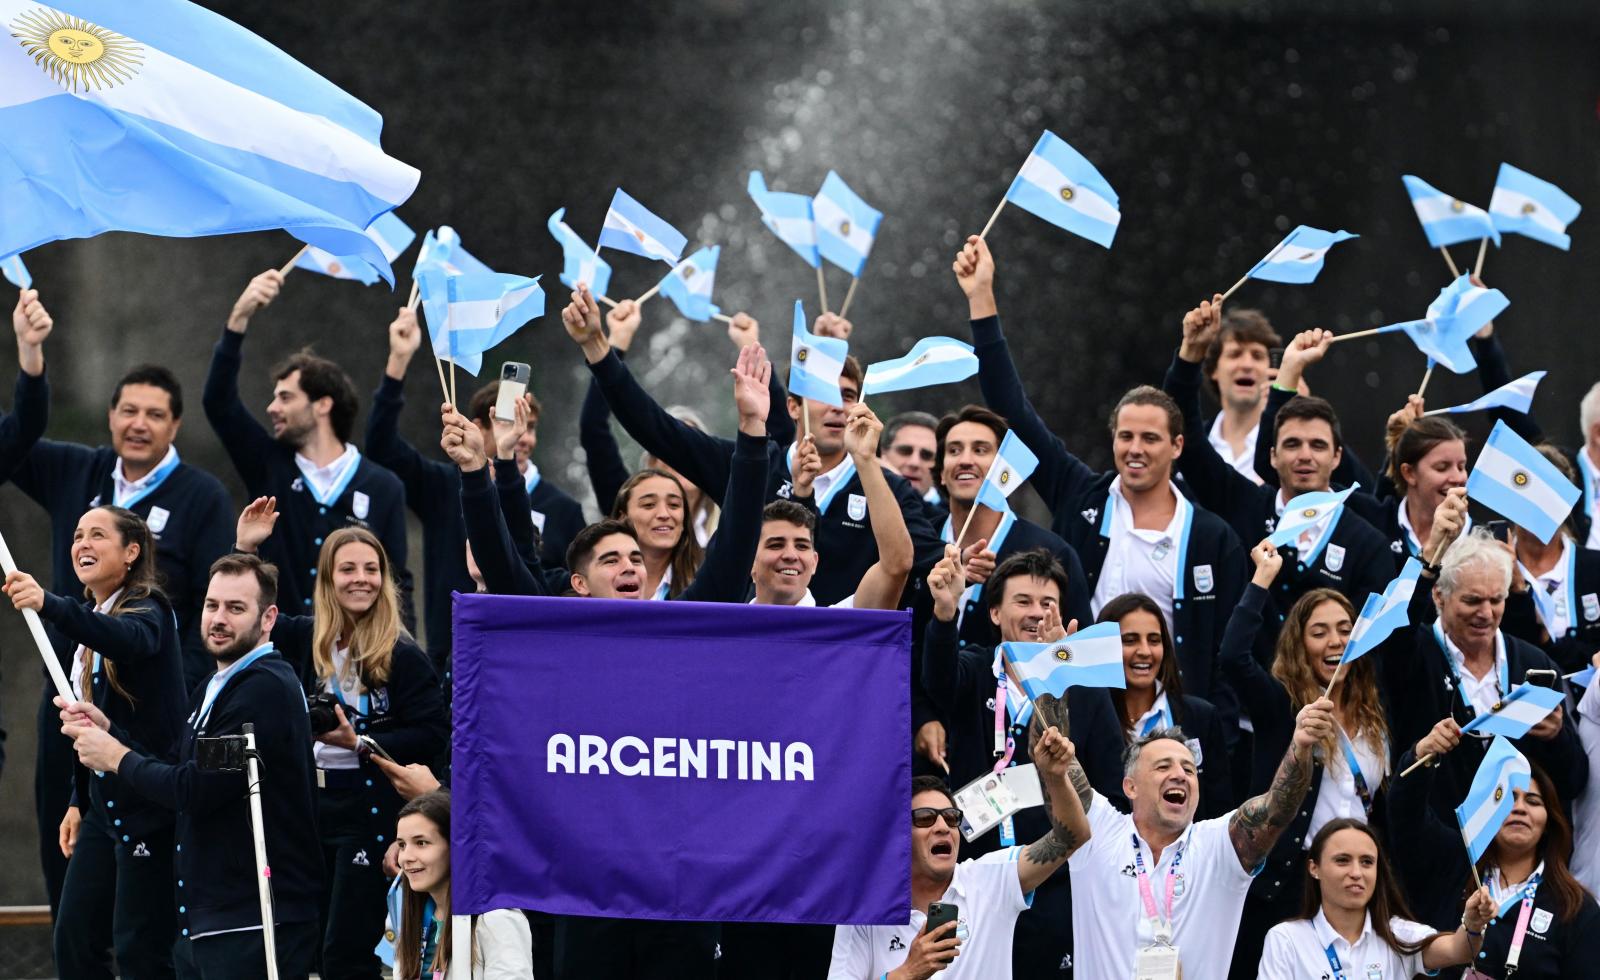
1425, 376
990, 223
649, 293
849, 295
416, 293
607, 300
1364, 333
822, 287
725, 318
966, 524
1235, 287
1337, 672
1483, 249
58, 677
1476, 880
452, 381
1450, 262
290, 266
805, 416
444, 386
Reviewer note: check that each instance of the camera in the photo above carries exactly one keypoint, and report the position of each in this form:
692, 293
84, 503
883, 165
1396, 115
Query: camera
320, 707
222, 754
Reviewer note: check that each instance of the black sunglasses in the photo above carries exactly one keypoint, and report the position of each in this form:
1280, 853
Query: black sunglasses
926, 455
924, 816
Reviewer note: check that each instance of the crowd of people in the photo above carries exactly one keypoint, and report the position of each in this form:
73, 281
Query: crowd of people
1226, 812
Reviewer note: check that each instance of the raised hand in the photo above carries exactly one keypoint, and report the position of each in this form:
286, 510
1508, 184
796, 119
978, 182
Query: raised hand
1268, 563
1444, 736
1398, 421
978, 561
1448, 520
1313, 726
930, 744
263, 289
945, 585
1307, 348
255, 524
832, 325
752, 373
507, 434
930, 952
1053, 753
405, 338
623, 322
743, 330
808, 465
461, 439
32, 323
1200, 327
974, 269
862, 430
581, 318
24, 590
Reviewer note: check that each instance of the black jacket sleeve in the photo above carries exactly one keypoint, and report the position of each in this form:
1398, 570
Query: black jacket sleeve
515, 510
607, 472
724, 575
944, 673
702, 458
1212, 481
504, 571
247, 442
387, 447
780, 427
420, 726
132, 635
1261, 694
20, 430
1494, 372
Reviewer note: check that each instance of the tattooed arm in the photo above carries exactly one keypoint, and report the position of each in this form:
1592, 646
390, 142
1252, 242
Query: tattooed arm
1066, 796
1257, 823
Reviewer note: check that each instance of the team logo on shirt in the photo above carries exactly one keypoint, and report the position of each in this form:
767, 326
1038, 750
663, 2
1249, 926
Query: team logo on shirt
158, 519
1091, 515
298, 485
1591, 606
895, 943
1541, 920
140, 851
380, 701
787, 490
857, 507
360, 860
1202, 578
360, 504
1335, 559
1396, 547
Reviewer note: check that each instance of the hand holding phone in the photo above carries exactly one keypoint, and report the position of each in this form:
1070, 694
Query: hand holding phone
514, 377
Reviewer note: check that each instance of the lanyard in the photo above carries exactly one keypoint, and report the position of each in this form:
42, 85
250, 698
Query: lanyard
1545, 603
665, 585
530, 481
1333, 961
1185, 518
1502, 667
1590, 481
1355, 773
362, 703
237, 669
430, 939
1514, 955
1161, 927
151, 481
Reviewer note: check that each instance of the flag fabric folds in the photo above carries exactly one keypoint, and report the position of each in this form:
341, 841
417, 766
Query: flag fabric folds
1448, 220
846, 226
630, 227
1307, 510
167, 119
1524, 707
580, 263
815, 363
1013, 463
15, 272
1299, 257
1502, 772
1459, 311
932, 361
1088, 658
1516, 395
389, 233
1384, 613
789, 216
721, 737
1514, 480
689, 284
1525, 205
443, 248
1060, 185
469, 313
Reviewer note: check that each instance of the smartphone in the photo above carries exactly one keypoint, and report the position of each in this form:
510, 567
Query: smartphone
1543, 678
939, 913
373, 746
1275, 358
513, 385
1500, 529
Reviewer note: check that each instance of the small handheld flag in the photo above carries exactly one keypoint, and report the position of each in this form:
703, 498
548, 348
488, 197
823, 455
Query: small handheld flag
1500, 775
389, 233
15, 272
630, 227
1525, 205
1088, 658
1013, 463
1383, 614
815, 363
1060, 185
580, 263
1306, 511
1514, 480
846, 226
1459, 311
1524, 707
1448, 220
443, 249
1516, 395
689, 284
789, 216
472, 312
932, 361
1581, 679
1297, 259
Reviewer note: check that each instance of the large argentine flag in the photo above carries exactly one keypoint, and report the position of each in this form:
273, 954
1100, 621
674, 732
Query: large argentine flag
1088, 658
1524, 707
1502, 772
1448, 220
15, 272
846, 225
933, 361
164, 118
630, 227
689, 284
1299, 257
1514, 480
580, 263
1013, 463
1526, 205
470, 313
815, 363
1383, 614
1306, 511
1060, 185
392, 236
789, 216
1516, 395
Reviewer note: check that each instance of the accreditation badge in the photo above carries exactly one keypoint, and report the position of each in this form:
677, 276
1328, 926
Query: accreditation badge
984, 803
1157, 963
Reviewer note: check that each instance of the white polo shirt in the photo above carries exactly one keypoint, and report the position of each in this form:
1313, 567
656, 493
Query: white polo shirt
1300, 948
1208, 896
988, 898
1245, 462
1141, 560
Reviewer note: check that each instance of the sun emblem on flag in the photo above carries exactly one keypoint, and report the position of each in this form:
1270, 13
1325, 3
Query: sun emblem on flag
1005, 477
688, 272
1308, 256
1529, 207
1309, 512
921, 360
1499, 793
1067, 193
1520, 478
79, 55
844, 228
1064, 654
639, 235
335, 268
1458, 206
802, 354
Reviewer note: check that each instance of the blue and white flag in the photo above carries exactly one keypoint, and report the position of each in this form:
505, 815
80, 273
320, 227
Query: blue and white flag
164, 118
1448, 220
392, 237
15, 272
1383, 614
932, 361
1299, 257
630, 227
689, 284
443, 249
1088, 658
1060, 185
815, 363
1502, 772
1516, 395
1514, 480
846, 225
470, 313
1523, 708
1013, 463
1525, 205
1459, 311
789, 216
1306, 511
580, 263
1581, 679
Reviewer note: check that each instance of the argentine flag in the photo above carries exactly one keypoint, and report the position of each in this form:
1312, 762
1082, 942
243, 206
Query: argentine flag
1307, 511
1448, 220
1516, 395
1383, 614
392, 237
580, 263
164, 118
15, 272
472, 312
1298, 258
1013, 464
1524, 707
1525, 205
689, 284
1060, 185
1502, 772
1459, 311
1088, 658
1514, 480
630, 227
789, 216
815, 363
933, 361
846, 225
442, 249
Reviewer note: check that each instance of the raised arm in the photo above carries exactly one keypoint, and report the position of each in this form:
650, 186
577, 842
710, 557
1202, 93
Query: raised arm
883, 583
744, 330
247, 442
385, 445
504, 572
133, 634
1054, 758
602, 457
1261, 694
30, 409
1216, 485
1257, 823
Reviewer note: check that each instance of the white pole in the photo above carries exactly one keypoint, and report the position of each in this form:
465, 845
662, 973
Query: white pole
36, 627
269, 939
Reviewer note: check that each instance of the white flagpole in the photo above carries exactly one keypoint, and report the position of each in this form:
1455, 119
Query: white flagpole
1425, 376
849, 295
1483, 249
1450, 262
990, 223
822, 287
269, 933
36, 627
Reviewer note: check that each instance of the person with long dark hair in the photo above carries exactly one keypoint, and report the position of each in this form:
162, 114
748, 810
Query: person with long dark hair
128, 663
656, 504
1353, 919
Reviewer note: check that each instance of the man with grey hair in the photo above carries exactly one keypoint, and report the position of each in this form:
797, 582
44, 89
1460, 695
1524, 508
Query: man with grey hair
1586, 519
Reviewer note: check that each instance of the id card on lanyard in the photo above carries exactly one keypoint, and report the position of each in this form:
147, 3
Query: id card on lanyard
1005, 744
1356, 775
1159, 960
1518, 935
1502, 670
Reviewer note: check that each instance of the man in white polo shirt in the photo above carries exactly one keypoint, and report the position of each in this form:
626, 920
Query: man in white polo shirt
988, 893
1167, 890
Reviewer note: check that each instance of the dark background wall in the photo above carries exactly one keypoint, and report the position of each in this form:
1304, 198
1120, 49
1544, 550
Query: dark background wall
1220, 124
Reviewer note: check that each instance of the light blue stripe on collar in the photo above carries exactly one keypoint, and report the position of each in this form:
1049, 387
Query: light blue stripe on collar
337, 490
153, 480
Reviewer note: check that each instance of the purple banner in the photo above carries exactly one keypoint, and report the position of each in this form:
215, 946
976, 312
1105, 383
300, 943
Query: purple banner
681, 760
